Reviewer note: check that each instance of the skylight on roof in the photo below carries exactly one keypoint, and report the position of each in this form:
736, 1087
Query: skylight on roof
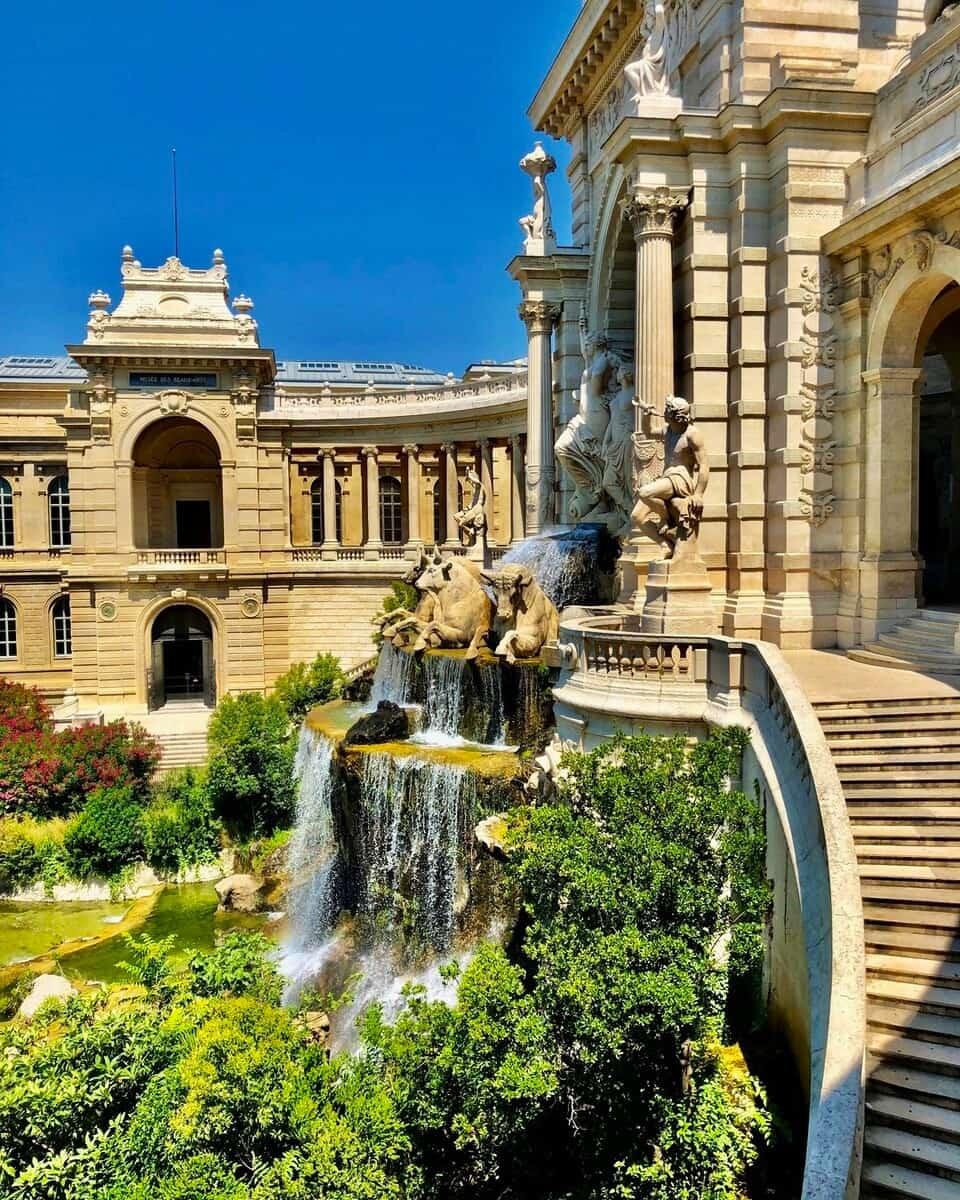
373, 366
30, 362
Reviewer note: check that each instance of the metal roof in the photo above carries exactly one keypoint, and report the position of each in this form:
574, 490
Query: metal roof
319, 371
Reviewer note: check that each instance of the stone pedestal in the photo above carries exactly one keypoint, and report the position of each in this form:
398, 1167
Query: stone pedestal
678, 598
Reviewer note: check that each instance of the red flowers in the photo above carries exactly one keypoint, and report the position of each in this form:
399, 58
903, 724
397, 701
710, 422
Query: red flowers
48, 773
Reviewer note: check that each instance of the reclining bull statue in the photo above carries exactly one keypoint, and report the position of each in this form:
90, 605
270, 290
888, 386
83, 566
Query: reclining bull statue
401, 626
524, 610
461, 613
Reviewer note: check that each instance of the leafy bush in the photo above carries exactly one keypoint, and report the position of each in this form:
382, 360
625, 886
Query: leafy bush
180, 827
22, 708
401, 595
238, 967
31, 850
108, 834
249, 774
306, 685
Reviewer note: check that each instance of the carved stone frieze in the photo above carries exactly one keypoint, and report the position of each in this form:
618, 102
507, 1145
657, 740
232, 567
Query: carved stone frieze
819, 343
101, 395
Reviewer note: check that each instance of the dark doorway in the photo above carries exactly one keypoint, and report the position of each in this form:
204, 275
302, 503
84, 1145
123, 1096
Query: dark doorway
938, 458
182, 667
194, 531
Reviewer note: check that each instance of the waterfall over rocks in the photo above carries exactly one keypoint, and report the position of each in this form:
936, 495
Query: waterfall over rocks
394, 677
573, 566
443, 694
313, 853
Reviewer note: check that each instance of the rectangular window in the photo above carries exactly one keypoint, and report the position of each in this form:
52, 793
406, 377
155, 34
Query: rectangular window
8, 630
62, 634
6, 515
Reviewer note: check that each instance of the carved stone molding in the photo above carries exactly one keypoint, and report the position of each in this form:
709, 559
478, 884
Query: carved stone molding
173, 402
918, 245
655, 211
539, 316
819, 342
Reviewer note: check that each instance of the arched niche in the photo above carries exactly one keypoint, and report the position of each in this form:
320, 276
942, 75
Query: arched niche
177, 486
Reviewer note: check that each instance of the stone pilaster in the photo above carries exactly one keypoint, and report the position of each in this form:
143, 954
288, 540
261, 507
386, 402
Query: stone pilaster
451, 494
516, 490
413, 495
539, 316
330, 540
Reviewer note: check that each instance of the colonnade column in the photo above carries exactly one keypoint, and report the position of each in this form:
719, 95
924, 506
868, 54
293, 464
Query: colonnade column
451, 496
371, 546
654, 214
330, 537
413, 494
516, 490
486, 478
539, 316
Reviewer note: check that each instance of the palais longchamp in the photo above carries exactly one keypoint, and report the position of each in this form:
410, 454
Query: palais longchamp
740, 374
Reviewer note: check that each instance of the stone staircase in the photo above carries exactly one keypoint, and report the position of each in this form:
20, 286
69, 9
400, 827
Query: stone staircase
899, 763
927, 641
181, 730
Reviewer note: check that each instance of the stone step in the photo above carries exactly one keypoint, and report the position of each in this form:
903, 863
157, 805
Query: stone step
922, 742
874, 656
897, 852
876, 788
920, 898
929, 1119
899, 1080
913, 969
908, 872
881, 757
892, 939
917, 772
863, 709
922, 997
908, 831
915, 650
931, 633
937, 1157
888, 1179
898, 914
917, 812
944, 615
893, 1046
909, 1021
876, 732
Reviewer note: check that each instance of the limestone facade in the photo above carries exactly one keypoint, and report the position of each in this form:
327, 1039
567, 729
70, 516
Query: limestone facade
766, 221
181, 516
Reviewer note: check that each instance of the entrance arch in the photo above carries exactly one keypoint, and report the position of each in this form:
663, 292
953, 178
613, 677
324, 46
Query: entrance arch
177, 486
182, 664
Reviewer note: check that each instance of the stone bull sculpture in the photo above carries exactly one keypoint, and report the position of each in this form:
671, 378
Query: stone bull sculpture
523, 609
401, 625
462, 612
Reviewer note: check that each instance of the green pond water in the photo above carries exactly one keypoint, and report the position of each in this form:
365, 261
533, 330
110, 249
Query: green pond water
188, 911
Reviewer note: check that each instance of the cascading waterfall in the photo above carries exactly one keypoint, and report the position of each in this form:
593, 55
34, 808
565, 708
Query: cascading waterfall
491, 693
568, 563
313, 854
443, 684
394, 676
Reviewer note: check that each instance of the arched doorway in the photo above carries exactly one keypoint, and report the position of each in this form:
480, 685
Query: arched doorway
938, 462
182, 667
177, 487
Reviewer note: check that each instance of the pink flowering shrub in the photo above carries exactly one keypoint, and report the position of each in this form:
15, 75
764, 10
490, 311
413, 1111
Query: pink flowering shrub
48, 773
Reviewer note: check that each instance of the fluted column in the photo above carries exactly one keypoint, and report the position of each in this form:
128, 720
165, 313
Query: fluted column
413, 494
654, 214
451, 533
371, 547
516, 490
330, 539
539, 316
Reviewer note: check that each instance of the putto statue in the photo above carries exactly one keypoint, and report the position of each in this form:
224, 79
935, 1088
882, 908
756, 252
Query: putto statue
674, 500
526, 612
580, 448
539, 236
472, 520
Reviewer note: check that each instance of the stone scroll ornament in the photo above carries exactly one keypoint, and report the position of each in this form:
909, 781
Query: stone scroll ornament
670, 507
593, 450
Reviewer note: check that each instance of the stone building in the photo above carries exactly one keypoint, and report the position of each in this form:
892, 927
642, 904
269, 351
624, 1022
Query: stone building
182, 516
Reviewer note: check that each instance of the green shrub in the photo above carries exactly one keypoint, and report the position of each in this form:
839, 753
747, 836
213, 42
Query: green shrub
401, 595
31, 850
107, 836
239, 966
306, 685
180, 827
250, 772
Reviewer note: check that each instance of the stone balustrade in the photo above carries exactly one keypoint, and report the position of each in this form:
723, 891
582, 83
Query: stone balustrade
614, 678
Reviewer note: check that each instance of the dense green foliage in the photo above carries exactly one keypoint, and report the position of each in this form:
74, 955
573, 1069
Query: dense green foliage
181, 829
249, 773
582, 1062
107, 836
401, 595
306, 685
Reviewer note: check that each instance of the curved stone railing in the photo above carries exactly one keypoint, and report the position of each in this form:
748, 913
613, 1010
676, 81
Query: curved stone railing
452, 395
615, 677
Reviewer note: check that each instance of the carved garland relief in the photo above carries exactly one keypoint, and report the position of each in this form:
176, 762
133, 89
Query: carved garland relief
818, 393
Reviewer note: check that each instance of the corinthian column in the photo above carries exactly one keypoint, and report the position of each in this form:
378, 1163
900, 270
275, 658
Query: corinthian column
451, 533
371, 547
654, 214
516, 490
539, 316
413, 495
330, 539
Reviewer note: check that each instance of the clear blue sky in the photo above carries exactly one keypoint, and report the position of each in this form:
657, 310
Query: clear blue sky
356, 162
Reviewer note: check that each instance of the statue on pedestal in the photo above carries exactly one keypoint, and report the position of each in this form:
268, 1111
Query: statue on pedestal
539, 235
580, 448
617, 451
670, 507
472, 520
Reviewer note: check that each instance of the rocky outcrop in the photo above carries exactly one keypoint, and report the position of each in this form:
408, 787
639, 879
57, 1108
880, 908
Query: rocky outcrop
45, 987
388, 723
241, 893
491, 834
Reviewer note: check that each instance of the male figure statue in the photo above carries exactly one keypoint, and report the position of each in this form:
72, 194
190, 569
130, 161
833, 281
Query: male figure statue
675, 498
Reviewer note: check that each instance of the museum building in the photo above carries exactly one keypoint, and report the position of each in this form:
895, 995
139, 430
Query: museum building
181, 516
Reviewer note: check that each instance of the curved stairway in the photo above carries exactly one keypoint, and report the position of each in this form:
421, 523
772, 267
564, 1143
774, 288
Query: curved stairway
929, 640
899, 763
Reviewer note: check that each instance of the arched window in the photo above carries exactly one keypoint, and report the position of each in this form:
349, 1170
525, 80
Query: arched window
62, 633
6, 514
8, 629
316, 511
59, 496
391, 510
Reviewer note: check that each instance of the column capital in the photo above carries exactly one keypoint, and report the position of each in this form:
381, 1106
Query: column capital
539, 316
448, 447
655, 210
327, 452
411, 449
370, 451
